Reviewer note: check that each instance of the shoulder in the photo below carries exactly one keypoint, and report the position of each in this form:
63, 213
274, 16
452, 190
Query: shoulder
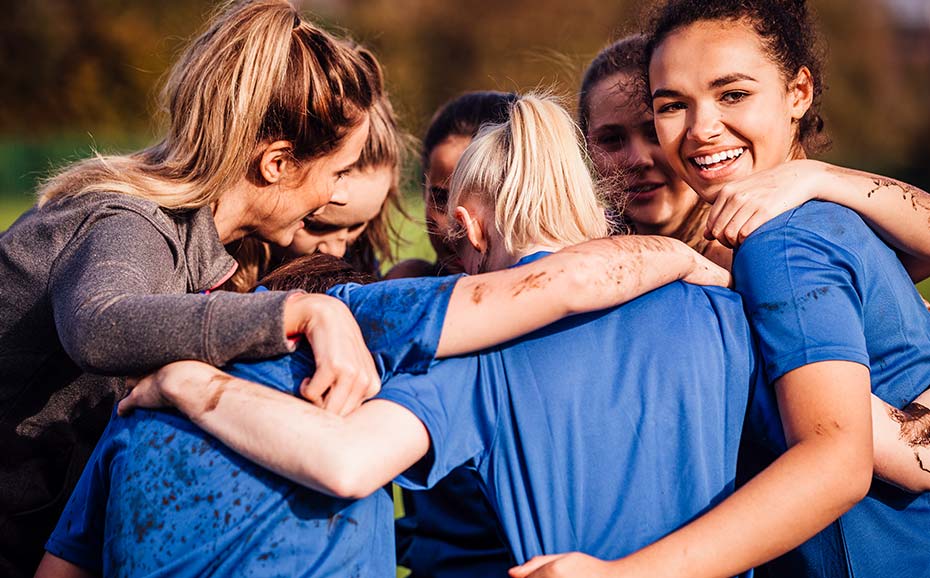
815, 230
827, 221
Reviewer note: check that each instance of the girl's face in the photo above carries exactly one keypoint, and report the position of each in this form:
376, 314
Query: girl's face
278, 214
339, 224
442, 161
722, 107
623, 144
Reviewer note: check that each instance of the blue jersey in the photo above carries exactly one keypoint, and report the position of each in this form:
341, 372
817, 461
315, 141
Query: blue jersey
819, 285
451, 531
160, 497
600, 433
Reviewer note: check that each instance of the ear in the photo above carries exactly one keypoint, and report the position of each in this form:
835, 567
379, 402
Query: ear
801, 93
276, 161
473, 226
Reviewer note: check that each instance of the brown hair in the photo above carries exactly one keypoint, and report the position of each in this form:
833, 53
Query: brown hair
624, 55
315, 273
258, 73
387, 146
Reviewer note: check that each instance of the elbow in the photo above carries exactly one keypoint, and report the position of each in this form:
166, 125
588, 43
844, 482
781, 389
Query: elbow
855, 476
93, 342
81, 344
348, 479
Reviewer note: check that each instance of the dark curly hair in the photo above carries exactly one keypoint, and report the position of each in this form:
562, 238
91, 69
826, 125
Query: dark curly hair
787, 33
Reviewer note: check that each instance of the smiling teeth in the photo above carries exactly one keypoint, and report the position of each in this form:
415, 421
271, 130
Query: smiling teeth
717, 157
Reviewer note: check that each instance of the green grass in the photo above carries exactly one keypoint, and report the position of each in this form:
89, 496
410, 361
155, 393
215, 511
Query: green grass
11, 207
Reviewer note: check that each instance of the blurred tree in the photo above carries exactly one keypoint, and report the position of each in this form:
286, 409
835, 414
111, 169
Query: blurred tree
78, 66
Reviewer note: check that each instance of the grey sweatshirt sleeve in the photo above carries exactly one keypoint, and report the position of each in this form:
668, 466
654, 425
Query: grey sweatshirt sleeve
114, 313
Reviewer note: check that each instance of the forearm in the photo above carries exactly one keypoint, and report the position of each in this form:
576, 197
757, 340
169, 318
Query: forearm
111, 332
902, 444
492, 308
275, 430
813, 485
899, 212
340, 456
827, 468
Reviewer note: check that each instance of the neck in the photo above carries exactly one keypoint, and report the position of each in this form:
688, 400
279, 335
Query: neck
230, 214
549, 247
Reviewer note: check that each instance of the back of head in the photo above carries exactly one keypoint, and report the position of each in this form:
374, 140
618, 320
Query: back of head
258, 73
786, 31
532, 172
464, 116
624, 55
315, 273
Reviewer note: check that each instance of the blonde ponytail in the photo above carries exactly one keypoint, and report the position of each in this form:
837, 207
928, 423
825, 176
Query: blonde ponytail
532, 170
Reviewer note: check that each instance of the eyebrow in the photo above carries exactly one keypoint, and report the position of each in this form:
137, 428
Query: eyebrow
717, 83
730, 78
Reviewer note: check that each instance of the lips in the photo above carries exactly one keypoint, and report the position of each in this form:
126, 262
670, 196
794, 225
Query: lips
643, 191
716, 164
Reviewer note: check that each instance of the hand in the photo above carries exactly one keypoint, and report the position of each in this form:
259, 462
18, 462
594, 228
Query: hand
568, 565
706, 272
744, 205
163, 387
345, 371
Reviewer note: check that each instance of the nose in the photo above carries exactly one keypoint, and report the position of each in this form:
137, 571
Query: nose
639, 154
335, 246
340, 195
705, 123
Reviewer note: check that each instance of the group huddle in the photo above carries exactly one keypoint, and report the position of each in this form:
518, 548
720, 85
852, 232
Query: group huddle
657, 340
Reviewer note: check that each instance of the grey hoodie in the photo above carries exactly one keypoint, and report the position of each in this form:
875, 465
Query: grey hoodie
99, 285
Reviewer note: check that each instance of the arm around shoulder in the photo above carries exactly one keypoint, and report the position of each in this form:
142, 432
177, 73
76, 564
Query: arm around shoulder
492, 308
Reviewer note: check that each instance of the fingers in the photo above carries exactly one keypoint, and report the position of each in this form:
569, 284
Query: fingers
126, 405
346, 387
319, 384
533, 565
136, 398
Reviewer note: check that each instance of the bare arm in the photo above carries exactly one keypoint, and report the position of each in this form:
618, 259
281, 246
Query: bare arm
899, 212
826, 470
902, 443
492, 308
348, 457
52, 566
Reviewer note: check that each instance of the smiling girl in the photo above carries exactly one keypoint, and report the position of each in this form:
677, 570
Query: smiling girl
735, 87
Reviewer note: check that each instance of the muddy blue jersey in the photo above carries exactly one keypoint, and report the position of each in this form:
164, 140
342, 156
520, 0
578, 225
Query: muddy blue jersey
160, 497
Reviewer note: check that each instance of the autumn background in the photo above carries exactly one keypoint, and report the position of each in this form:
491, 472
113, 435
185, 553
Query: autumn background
83, 74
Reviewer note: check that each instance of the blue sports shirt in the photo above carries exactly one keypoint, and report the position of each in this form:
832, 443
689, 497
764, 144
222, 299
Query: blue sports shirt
602, 432
819, 285
160, 497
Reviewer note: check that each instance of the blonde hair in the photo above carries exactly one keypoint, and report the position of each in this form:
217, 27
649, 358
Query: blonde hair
531, 169
257, 74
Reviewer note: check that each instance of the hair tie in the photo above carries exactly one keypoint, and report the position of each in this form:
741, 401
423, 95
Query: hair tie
296, 20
